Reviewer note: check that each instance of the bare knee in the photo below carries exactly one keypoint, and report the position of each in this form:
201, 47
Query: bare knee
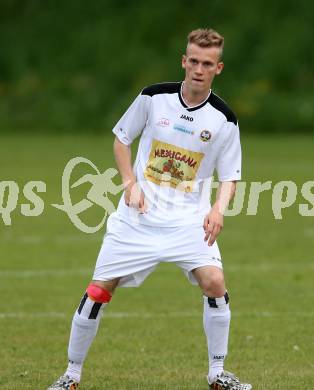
211, 280
109, 285
214, 286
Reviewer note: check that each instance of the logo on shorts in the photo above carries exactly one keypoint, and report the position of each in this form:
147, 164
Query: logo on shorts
205, 135
164, 122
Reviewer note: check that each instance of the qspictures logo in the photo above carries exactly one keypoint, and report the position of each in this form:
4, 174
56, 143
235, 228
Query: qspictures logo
101, 186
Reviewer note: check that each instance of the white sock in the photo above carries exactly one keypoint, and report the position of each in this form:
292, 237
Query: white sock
84, 329
74, 371
216, 320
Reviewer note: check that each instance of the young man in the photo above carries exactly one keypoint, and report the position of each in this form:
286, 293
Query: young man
186, 132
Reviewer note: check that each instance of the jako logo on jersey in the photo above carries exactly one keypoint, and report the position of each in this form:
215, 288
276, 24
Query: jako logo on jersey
205, 135
187, 118
163, 122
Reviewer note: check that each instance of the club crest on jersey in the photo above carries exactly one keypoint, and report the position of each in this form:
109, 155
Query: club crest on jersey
164, 122
205, 135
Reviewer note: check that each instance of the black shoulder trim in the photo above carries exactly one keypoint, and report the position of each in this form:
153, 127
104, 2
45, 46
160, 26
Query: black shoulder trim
221, 106
157, 89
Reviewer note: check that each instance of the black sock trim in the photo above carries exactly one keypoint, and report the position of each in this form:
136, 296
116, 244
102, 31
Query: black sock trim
95, 310
212, 302
82, 303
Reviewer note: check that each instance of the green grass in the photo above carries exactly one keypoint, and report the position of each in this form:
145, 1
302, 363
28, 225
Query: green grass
152, 337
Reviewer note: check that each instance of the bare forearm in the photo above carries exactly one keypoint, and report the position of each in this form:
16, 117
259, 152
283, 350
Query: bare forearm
133, 195
225, 194
214, 220
122, 155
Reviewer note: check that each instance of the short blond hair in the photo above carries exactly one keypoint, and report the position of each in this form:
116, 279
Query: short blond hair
204, 37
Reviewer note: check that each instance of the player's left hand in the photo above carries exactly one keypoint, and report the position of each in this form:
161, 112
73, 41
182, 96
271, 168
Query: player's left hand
213, 224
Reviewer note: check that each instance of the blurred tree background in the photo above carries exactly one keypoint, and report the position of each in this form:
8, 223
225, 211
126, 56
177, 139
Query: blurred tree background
69, 66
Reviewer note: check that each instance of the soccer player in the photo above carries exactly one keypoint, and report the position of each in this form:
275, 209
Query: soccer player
164, 215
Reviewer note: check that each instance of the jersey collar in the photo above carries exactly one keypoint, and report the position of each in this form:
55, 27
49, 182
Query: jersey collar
193, 108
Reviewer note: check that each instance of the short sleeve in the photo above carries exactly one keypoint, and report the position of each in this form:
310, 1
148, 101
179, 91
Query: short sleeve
133, 121
229, 158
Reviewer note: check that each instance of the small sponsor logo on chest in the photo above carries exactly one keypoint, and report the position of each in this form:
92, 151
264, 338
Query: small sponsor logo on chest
183, 129
164, 122
187, 118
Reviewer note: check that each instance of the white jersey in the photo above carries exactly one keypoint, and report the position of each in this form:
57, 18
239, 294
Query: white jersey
179, 150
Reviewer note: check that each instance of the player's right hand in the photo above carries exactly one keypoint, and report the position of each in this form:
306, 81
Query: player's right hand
134, 197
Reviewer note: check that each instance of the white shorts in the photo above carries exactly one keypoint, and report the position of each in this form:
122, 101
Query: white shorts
131, 251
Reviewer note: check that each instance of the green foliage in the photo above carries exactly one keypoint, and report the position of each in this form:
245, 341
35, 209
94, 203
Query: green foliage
73, 66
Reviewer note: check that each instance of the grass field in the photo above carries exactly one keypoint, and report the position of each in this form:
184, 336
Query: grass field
152, 337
